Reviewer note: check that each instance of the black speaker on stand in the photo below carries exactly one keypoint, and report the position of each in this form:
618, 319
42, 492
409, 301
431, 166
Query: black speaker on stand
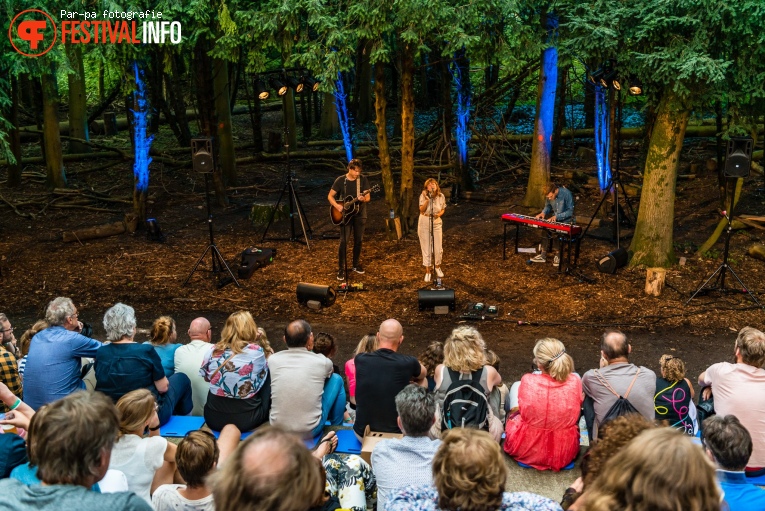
738, 157
613, 261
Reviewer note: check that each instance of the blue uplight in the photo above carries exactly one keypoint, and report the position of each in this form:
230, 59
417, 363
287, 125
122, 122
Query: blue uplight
602, 138
141, 141
341, 105
462, 84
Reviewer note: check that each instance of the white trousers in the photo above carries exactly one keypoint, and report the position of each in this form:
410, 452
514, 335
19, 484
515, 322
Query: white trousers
423, 231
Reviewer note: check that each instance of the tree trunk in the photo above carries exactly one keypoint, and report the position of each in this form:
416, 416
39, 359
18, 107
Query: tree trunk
175, 93
382, 137
539, 173
560, 109
462, 83
364, 79
223, 114
407, 135
78, 115
14, 170
652, 241
330, 125
54, 162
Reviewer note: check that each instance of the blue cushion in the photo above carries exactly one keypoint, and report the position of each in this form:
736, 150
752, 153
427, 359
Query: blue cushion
179, 425
245, 434
570, 466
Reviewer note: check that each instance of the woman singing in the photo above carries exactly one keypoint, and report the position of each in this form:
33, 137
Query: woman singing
432, 205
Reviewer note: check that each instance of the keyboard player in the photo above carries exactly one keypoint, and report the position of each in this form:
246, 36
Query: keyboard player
559, 207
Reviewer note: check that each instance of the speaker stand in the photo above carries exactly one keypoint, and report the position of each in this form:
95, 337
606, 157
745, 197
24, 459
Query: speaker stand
218, 263
719, 284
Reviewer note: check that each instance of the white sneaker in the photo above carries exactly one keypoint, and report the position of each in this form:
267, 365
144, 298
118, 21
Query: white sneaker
539, 259
556, 261
427, 277
439, 273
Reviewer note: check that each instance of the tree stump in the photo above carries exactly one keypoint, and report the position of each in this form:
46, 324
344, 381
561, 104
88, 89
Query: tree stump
110, 123
757, 251
394, 228
261, 213
654, 281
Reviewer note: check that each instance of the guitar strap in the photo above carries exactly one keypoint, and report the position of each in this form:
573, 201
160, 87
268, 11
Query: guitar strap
358, 186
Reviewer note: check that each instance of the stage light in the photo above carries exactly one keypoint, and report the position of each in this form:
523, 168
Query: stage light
636, 87
617, 84
278, 86
595, 77
261, 90
609, 79
315, 296
315, 86
294, 84
309, 83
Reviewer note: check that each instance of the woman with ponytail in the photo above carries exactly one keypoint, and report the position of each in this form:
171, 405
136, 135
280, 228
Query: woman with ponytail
544, 433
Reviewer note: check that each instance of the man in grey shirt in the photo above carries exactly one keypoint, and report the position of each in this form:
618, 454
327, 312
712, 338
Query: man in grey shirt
73, 439
617, 371
402, 462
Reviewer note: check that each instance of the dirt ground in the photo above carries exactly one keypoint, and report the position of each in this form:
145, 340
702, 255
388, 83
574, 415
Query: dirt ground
533, 301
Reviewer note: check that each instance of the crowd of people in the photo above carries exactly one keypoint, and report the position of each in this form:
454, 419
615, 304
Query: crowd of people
65, 446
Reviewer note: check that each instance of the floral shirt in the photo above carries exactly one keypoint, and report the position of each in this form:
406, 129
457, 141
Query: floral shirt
242, 375
425, 498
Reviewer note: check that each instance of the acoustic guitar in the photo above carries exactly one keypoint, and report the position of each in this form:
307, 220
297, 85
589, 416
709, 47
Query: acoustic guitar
350, 207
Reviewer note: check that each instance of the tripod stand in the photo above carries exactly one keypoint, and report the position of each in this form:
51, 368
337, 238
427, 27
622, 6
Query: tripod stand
296, 208
721, 270
218, 263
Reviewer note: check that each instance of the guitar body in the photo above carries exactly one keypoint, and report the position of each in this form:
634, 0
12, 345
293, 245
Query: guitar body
350, 209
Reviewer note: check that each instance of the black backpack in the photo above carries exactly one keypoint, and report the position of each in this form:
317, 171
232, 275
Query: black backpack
622, 406
465, 404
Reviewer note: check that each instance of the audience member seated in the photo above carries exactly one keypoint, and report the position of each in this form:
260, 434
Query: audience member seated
729, 446
432, 357
73, 439
305, 392
673, 401
499, 399
54, 364
163, 337
367, 344
660, 470
196, 458
147, 462
188, 360
613, 437
124, 365
408, 461
12, 445
325, 344
469, 473
25, 341
739, 389
9, 369
380, 376
544, 433
239, 382
465, 359
616, 377
270, 470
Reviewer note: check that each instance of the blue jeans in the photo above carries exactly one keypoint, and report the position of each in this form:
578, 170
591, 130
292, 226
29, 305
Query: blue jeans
177, 400
332, 404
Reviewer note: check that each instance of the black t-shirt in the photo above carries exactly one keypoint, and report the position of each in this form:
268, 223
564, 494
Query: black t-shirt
381, 375
345, 187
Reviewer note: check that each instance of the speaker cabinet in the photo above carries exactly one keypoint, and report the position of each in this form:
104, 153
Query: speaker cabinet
311, 294
202, 155
738, 157
613, 261
432, 298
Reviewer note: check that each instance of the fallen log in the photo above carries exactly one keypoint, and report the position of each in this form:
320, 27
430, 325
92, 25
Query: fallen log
757, 251
128, 224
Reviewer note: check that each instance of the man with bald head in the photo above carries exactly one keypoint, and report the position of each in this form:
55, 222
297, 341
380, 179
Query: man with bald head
637, 384
188, 360
380, 376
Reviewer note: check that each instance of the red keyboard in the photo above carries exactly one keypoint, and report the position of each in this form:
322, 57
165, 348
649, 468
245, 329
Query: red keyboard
569, 229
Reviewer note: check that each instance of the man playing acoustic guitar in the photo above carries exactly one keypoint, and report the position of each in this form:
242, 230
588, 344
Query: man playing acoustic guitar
349, 186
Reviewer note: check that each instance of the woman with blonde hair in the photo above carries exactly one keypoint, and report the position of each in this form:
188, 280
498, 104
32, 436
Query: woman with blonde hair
147, 462
432, 206
465, 359
367, 344
163, 337
236, 368
544, 432
673, 401
469, 474
660, 470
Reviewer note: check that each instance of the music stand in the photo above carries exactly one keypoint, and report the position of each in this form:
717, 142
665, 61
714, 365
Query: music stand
296, 207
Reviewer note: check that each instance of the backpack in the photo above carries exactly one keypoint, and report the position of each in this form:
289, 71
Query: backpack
622, 406
465, 404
